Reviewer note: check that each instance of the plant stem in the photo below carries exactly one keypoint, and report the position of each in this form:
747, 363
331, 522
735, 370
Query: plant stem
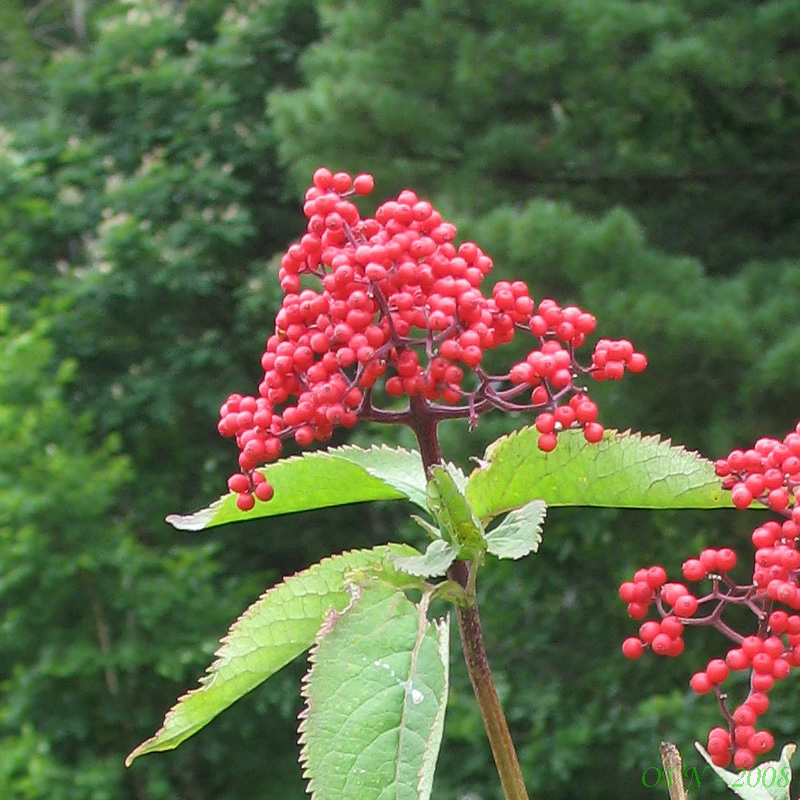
424, 424
480, 675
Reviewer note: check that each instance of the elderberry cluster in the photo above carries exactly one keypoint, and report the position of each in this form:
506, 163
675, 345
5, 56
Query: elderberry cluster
769, 474
387, 306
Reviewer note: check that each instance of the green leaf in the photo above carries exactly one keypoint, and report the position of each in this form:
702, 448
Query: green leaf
754, 784
278, 627
434, 561
451, 510
375, 700
320, 479
519, 533
624, 470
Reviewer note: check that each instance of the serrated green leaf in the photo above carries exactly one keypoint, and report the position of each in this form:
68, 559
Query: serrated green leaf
519, 533
334, 477
278, 627
754, 784
434, 561
452, 511
624, 470
375, 699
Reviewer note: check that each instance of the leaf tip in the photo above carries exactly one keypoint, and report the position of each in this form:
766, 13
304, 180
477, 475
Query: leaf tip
196, 521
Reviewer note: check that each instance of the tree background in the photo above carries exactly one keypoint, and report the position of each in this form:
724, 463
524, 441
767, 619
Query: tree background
638, 158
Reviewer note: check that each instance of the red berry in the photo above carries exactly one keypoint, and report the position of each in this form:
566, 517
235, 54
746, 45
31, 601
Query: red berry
693, 570
322, 177
637, 610
709, 558
742, 734
244, 502
741, 498
547, 442
632, 648
761, 742
773, 645
637, 362
664, 645
672, 626
649, 630
642, 592
744, 715
718, 745
676, 647
762, 663
627, 591
751, 645
700, 683
759, 702
717, 670
593, 432
737, 659
656, 577
744, 758
238, 483
685, 606
778, 622
264, 491
761, 682
781, 669
672, 591
726, 559
363, 184
722, 759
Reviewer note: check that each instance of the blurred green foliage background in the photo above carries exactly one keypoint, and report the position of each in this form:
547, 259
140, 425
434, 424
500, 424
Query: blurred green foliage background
638, 158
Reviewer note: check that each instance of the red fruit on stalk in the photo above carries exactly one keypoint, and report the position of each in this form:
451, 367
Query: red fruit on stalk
400, 310
737, 659
717, 670
768, 473
665, 645
744, 715
693, 570
761, 742
632, 648
701, 683
744, 758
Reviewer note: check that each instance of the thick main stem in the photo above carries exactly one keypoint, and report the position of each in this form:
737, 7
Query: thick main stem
424, 424
480, 675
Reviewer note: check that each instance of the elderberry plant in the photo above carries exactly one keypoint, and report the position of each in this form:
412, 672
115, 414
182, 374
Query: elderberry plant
386, 319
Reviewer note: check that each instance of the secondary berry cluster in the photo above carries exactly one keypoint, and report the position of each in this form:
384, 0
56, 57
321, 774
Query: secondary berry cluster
387, 306
768, 474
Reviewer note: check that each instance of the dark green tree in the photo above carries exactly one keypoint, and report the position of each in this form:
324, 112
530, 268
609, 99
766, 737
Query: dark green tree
686, 113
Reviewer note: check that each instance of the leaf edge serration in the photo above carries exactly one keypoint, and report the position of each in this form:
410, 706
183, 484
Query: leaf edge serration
204, 517
211, 674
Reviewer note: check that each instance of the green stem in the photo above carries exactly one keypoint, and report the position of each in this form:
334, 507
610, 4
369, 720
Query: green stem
480, 675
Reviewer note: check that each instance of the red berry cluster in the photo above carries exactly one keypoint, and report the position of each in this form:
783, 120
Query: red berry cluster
769, 474
396, 299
